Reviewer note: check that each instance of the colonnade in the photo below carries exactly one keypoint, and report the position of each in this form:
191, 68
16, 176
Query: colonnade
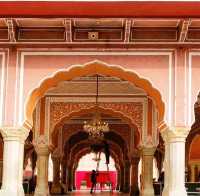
174, 165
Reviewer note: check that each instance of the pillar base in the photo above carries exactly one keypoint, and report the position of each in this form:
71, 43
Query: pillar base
175, 192
41, 193
56, 189
148, 192
13, 192
134, 191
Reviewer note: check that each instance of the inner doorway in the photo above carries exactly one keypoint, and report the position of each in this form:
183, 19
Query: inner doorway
89, 162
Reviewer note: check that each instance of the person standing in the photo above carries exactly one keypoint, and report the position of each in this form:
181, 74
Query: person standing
93, 179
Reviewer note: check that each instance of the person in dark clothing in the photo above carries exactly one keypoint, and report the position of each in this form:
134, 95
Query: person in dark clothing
93, 179
107, 152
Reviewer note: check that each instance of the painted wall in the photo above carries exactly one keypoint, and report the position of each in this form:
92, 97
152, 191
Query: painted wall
175, 73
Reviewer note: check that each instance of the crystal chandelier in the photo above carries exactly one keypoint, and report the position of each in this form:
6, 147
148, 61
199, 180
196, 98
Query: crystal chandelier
96, 127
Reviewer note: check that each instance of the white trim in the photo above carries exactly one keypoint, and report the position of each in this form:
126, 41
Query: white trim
47, 119
21, 93
139, 52
189, 119
185, 91
17, 87
92, 99
37, 120
170, 92
2, 93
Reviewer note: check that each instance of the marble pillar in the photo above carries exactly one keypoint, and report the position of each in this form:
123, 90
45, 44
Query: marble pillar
147, 171
42, 188
56, 185
134, 189
174, 164
13, 157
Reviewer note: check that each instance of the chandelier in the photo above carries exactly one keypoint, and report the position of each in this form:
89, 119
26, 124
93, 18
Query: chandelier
96, 127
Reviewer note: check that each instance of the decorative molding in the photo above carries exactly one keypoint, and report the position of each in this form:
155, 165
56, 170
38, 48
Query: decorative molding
59, 110
127, 33
11, 29
68, 30
14, 134
139, 52
184, 30
3, 65
175, 134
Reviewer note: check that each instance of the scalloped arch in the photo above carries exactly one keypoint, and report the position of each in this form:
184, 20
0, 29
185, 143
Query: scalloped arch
94, 67
54, 133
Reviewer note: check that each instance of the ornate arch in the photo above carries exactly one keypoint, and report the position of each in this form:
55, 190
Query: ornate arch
125, 113
94, 67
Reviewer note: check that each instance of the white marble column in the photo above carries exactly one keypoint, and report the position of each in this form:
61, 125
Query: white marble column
13, 157
42, 188
56, 186
147, 171
174, 164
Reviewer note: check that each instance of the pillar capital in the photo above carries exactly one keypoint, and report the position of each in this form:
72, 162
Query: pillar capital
14, 134
41, 146
42, 150
175, 134
147, 150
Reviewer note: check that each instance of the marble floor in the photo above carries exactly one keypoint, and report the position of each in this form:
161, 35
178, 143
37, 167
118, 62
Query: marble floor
87, 193
97, 194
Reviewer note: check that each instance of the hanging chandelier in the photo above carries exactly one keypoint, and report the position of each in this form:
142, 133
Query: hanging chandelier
96, 127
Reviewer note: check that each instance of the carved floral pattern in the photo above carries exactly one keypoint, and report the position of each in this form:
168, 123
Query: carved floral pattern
60, 110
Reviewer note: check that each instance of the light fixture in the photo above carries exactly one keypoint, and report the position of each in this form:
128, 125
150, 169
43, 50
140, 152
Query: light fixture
96, 127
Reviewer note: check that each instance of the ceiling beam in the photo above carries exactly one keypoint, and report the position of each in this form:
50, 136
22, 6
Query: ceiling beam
184, 25
127, 31
11, 29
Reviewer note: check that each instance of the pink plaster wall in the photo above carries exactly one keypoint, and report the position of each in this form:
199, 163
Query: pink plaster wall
195, 81
154, 68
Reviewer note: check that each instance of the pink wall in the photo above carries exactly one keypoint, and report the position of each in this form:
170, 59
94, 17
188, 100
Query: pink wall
167, 70
195, 79
155, 68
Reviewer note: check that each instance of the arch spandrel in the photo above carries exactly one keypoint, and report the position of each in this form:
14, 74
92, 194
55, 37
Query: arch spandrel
122, 114
94, 67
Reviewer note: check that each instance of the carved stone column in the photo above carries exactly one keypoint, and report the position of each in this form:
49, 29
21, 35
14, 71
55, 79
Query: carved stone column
13, 161
147, 171
122, 179
1, 170
127, 177
174, 163
118, 179
56, 186
134, 189
192, 169
42, 188
69, 177
63, 175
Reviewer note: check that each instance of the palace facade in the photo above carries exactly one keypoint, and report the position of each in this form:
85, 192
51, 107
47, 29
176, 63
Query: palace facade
147, 58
